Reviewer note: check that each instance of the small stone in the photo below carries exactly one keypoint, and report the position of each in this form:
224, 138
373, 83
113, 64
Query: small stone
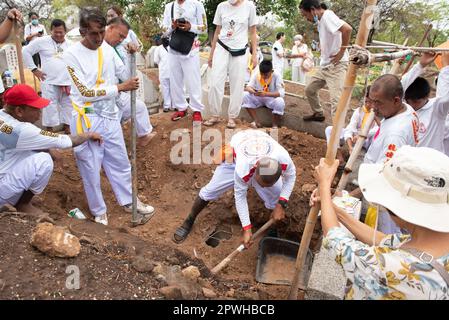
308, 187
158, 269
161, 278
142, 264
55, 241
204, 283
191, 273
209, 293
161, 231
230, 293
171, 292
172, 260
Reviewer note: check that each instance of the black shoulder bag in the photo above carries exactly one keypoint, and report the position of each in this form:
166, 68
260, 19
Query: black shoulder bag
180, 40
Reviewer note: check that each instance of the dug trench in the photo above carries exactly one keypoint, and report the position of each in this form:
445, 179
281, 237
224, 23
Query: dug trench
110, 256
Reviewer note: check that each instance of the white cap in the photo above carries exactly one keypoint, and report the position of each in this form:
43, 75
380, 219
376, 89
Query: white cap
414, 185
297, 37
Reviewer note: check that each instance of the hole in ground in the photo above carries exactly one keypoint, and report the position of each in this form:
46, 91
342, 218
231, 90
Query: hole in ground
220, 233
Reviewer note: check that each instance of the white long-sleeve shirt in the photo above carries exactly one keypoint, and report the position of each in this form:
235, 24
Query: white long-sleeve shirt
82, 66
51, 59
355, 125
19, 140
249, 146
161, 59
432, 116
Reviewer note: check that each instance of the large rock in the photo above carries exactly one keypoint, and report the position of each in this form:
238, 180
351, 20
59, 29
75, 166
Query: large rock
55, 241
142, 264
191, 273
171, 292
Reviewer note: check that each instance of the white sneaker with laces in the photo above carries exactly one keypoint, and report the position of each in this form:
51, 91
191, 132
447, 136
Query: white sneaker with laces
142, 208
103, 219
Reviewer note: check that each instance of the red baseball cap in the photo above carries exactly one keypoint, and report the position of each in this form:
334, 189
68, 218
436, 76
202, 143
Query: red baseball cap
24, 95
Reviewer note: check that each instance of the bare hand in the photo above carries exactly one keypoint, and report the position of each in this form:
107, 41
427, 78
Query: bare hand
314, 198
94, 136
445, 59
350, 145
174, 24
131, 47
427, 58
278, 213
56, 155
184, 26
40, 75
336, 58
247, 234
129, 85
324, 173
15, 14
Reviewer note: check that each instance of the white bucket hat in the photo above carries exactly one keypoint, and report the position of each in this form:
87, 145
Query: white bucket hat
297, 37
414, 185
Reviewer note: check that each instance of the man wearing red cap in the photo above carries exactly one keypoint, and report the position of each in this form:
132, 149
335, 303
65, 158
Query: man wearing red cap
25, 163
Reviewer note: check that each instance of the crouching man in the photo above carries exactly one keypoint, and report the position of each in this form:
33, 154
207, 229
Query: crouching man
265, 88
26, 162
252, 159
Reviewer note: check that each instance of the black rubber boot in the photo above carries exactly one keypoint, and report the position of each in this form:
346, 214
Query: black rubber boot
183, 231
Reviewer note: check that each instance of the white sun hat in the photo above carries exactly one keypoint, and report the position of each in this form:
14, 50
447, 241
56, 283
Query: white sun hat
414, 185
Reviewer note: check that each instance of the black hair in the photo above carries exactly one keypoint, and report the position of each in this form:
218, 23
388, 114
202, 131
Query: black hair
32, 13
265, 66
390, 85
308, 5
91, 14
57, 23
419, 89
119, 21
368, 88
279, 35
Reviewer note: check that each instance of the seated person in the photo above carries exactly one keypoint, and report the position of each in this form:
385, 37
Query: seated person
266, 88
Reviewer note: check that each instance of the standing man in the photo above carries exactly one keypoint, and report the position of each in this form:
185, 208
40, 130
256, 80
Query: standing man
26, 151
55, 81
116, 31
184, 20
278, 54
94, 68
161, 59
334, 34
235, 20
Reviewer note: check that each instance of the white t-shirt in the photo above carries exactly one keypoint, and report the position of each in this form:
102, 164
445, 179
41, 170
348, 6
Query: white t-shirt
235, 22
432, 117
192, 11
249, 146
19, 140
394, 133
51, 58
330, 37
355, 125
446, 136
276, 83
297, 62
161, 59
82, 66
30, 29
278, 62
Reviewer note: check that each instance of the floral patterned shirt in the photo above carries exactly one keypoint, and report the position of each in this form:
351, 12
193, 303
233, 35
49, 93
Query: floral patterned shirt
385, 272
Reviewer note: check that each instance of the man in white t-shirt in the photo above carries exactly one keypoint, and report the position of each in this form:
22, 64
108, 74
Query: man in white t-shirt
94, 67
235, 21
26, 151
32, 31
278, 54
433, 112
55, 82
334, 34
186, 18
116, 30
161, 59
253, 158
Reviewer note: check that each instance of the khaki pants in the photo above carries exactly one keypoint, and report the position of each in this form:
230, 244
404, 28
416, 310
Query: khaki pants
334, 77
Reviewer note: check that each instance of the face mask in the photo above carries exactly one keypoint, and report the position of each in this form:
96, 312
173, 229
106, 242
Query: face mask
297, 42
315, 19
34, 22
232, 2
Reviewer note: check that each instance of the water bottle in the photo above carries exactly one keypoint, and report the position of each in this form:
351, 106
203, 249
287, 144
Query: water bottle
8, 78
77, 214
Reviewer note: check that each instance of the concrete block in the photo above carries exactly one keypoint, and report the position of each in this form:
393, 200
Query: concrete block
327, 280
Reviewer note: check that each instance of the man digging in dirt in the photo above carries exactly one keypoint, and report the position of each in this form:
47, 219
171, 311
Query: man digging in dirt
26, 153
253, 159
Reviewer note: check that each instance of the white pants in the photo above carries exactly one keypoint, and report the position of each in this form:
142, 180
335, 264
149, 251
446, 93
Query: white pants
165, 90
111, 155
60, 108
223, 64
185, 67
30, 174
298, 74
223, 180
143, 124
277, 105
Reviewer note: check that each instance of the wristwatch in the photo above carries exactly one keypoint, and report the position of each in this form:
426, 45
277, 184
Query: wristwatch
283, 203
33, 69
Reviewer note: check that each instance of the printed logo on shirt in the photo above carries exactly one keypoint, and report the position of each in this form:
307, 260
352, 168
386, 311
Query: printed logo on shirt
422, 128
391, 150
6, 129
230, 32
415, 125
49, 134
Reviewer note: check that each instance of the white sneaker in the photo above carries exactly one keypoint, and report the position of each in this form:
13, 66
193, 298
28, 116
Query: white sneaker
103, 219
142, 208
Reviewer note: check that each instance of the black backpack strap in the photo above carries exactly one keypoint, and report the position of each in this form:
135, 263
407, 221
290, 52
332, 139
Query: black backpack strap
173, 11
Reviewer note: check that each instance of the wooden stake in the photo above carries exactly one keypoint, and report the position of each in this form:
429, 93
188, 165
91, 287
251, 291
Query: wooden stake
134, 221
18, 42
338, 124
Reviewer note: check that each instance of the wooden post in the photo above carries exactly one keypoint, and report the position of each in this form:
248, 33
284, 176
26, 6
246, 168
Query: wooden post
134, 221
426, 34
18, 42
338, 123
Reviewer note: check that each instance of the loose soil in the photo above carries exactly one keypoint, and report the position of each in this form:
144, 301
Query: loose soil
279, 268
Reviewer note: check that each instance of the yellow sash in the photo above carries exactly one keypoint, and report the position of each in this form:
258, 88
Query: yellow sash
365, 117
264, 84
82, 110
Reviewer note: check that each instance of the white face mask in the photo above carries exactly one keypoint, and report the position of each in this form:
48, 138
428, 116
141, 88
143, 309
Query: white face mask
297, 42
232, 2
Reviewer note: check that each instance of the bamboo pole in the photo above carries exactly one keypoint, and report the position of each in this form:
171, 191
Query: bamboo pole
134, 221
396, 65
18, 43
338, 123
426, 34
418, 49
